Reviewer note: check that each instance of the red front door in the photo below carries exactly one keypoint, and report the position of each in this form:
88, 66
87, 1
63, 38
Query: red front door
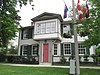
45, 52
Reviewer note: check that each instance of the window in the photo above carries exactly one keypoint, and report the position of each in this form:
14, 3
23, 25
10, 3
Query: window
43, 26
46, 27
55, 49
53, 27
35, 50
25, 50
67, 48
81, 49
27, 33
38, 28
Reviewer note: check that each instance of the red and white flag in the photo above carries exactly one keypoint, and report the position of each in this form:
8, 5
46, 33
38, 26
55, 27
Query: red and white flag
80, 14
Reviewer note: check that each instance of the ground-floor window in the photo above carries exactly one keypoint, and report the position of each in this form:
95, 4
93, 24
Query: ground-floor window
81, 49
35, 50
29, 50
55, 49
25, 50
67, 48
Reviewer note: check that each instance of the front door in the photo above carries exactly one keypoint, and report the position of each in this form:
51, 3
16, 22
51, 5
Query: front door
45, 52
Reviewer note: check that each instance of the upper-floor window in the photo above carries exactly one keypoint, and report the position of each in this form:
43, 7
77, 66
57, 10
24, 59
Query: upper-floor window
46, 27
66, 28
27, 33
81, 49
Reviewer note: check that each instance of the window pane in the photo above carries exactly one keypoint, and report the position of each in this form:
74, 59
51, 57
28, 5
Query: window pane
35, 50
25, 50
43, 30
67, 48
38, 28
53, 27
55, 49
81, 49
48, 27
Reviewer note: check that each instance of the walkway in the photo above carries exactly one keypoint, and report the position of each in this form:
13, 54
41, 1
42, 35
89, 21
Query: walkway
47, 66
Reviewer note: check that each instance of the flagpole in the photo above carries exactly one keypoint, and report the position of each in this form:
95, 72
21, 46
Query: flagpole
76, 41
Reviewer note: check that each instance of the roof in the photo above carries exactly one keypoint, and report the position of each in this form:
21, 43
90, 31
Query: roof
47, 16
28, 27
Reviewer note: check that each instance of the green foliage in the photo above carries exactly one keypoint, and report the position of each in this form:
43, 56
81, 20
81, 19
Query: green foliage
91, 26
9, 19
86, 57
67, 35
63, 60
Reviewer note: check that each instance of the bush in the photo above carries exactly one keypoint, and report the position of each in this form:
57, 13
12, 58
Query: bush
86, 57
63, 60
2, 57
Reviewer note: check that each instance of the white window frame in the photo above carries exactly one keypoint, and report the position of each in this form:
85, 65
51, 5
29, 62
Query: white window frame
50, 27
23, 50
32, 50
25, 34
68, 48
80, 49
55, 49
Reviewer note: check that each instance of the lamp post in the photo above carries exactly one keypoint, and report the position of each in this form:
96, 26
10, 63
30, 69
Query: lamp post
76, 41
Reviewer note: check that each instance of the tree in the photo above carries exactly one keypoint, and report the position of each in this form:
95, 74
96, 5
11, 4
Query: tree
91, 26
9, 19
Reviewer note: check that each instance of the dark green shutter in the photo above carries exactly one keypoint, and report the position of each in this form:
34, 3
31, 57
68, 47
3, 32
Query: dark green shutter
20, 50
29, 50
61, 30
37, 49
22, 34
72, 28
62, 53
73, 48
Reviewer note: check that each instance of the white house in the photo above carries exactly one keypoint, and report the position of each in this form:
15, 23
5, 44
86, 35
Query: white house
48, 38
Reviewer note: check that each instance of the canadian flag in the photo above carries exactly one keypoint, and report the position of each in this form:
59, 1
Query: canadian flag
80, 14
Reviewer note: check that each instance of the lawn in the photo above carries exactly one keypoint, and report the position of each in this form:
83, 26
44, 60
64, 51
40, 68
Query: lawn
15, 70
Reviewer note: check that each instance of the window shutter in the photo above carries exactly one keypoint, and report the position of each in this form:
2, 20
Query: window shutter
72, 28
73, 48
61, 30
62, 53
22, 34
20, 50
29, 50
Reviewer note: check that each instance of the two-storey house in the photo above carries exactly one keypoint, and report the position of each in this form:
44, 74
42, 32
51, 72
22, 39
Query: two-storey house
48, 39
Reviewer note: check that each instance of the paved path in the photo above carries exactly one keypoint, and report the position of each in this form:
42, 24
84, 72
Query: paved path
48, 66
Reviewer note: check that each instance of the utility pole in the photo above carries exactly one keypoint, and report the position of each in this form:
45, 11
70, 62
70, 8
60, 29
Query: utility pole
76, 41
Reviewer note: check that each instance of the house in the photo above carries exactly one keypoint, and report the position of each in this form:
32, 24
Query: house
49, 38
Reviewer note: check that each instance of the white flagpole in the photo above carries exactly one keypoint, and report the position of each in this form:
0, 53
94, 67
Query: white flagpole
76, 41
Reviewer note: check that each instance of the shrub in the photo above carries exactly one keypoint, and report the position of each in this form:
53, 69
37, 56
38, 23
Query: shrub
63, 60
2, 57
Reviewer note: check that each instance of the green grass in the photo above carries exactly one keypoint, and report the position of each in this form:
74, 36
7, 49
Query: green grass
15, 70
